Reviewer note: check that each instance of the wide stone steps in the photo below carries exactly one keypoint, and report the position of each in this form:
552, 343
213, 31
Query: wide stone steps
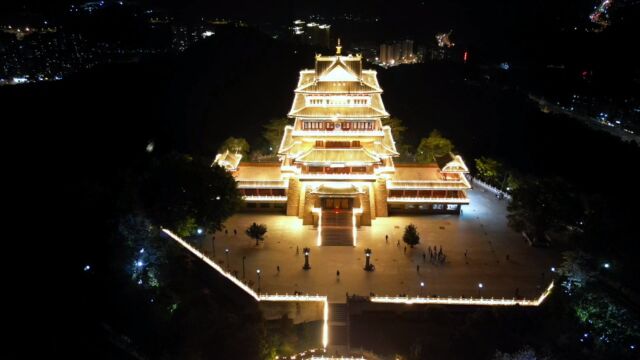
337, 228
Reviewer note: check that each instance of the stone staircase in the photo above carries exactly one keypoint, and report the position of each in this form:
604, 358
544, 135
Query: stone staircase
338, 325
337, 228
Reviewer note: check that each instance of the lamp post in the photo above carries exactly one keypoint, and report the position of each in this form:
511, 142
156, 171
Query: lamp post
243, 258
480, 286
421, 287
258, 272
226, 251
306, 258
367, 256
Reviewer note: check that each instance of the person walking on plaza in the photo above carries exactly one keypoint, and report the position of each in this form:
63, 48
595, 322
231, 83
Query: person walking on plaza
235, 232
338, 275
418, 268
424, 257
405, 249
398, 243
386, 238
278, 269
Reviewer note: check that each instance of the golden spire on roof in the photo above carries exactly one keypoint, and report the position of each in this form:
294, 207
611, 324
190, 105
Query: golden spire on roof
338, 48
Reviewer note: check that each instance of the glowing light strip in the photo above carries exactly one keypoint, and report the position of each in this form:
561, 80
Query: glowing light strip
382, 169
428, 200
356, 211
463, 301
337, 176
265, 198
264, 297
270, 184
325, 326
289, 168
319, 212
342, 133
261, 186
427, 184
210, 262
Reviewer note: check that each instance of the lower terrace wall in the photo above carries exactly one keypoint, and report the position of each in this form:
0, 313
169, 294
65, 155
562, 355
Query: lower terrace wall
264, 207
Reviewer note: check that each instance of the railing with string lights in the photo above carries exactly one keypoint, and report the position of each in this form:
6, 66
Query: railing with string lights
254, 294
265, 198
462, 301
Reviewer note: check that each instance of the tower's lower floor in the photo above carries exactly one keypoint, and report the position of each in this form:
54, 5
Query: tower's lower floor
410, 188
365, 200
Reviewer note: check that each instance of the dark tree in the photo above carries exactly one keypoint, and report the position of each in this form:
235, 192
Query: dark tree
256, 232
433, 147
180, 192
411, 236
236, 146
273, 132
540, 206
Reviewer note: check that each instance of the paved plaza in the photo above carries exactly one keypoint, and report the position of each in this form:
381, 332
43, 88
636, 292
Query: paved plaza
481, 230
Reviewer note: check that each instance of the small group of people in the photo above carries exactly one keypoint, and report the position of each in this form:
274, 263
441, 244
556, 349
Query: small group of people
435, 255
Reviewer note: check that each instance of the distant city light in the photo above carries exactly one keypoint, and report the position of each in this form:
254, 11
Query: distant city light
606, 265
207, 33
140, 282
480, 285
87, 267
505, 66
199, 231
141, 251
218, 197
553, 269
150, 146
422, 283
139, 263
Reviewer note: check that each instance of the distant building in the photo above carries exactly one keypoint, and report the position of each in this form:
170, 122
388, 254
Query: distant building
396, 53
336, 160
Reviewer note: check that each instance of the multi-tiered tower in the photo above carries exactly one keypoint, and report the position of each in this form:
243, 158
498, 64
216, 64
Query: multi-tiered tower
337, 156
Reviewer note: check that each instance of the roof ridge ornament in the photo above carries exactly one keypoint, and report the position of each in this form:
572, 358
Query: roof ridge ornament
338, 48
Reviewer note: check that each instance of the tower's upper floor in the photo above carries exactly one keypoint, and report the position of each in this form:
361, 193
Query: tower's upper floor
338, 89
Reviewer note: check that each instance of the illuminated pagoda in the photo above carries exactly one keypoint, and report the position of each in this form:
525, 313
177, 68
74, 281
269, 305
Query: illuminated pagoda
337, 157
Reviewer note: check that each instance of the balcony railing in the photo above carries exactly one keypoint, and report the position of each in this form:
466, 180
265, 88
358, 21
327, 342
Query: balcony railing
260, 198
263, 184
427, 184
345, 133
351, 176
428, 200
